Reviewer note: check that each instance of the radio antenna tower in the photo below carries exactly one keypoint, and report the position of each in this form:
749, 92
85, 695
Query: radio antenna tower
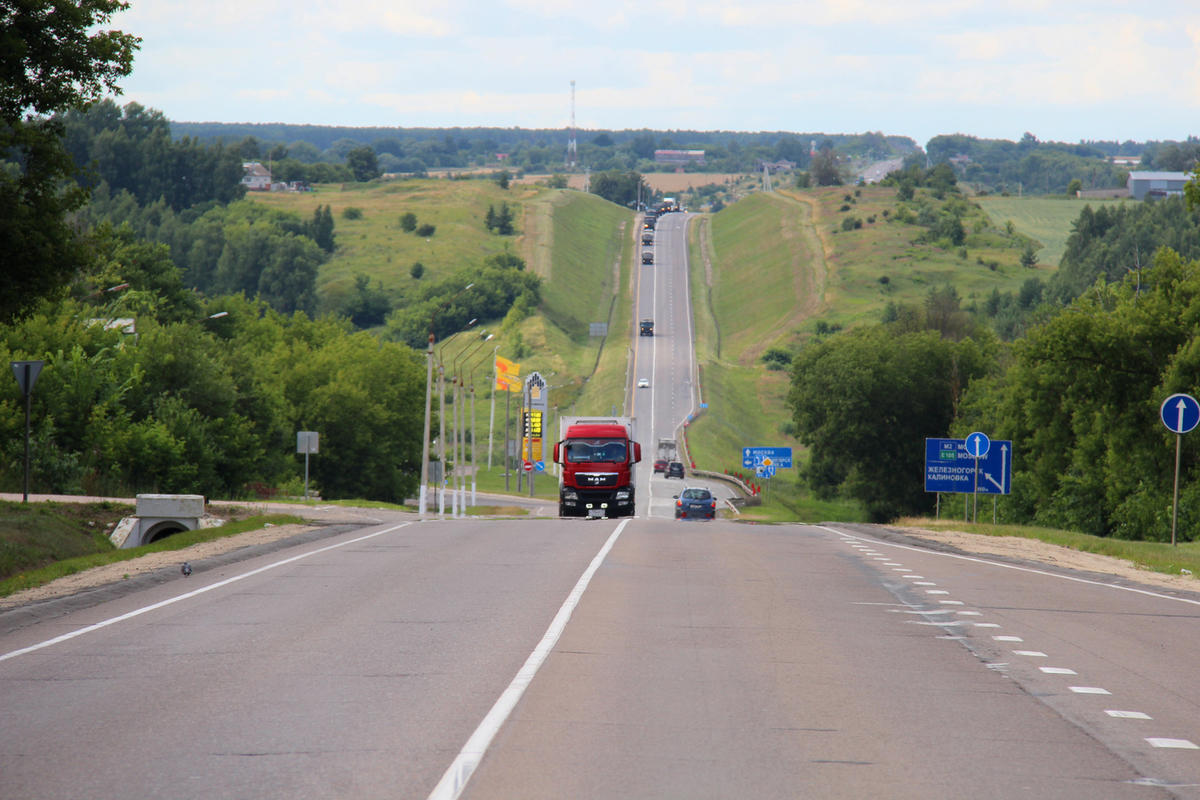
572, 148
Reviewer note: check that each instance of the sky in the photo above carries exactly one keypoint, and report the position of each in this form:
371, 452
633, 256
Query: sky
1063, 70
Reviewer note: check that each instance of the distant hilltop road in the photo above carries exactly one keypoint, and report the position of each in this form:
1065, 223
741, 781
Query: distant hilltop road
876, 172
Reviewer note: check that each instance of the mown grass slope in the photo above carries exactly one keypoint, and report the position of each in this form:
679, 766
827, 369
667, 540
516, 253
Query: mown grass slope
1047, 219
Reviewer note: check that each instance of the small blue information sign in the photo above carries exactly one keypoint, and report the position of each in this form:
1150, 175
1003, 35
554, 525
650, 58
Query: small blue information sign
949, 467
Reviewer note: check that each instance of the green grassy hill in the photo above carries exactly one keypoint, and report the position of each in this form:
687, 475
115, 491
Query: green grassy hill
376, 246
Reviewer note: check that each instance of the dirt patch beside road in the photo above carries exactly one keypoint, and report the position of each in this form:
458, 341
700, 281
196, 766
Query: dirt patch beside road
1052, 555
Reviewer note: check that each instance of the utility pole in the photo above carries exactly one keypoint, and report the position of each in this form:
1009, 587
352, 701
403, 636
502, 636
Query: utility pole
572, 146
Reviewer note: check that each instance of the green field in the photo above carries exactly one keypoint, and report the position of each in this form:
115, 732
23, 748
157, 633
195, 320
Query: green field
1046, 219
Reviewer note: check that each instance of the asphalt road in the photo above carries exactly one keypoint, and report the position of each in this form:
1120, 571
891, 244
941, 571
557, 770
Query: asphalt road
703, 660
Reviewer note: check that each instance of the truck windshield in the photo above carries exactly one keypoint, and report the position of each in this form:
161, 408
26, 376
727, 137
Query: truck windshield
586, 451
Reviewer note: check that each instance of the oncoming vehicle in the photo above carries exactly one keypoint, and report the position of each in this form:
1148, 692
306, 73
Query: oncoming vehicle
695, 502
660, 465
647, 257
643, 383
674, 470
597, 456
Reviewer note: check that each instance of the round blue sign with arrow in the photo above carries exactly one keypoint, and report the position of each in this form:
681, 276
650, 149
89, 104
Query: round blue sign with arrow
1180, 413
978, 444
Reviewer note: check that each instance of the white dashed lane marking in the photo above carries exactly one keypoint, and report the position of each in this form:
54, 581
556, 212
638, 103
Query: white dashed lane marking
1128, 714
919, 580
1179, 744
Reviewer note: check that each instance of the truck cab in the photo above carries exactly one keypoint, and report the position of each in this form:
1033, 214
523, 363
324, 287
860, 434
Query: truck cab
647, 257
646, 327
596, 457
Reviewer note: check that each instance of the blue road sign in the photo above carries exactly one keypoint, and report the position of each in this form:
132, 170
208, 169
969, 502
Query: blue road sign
978, 444
540, 466
777, 457
949, 467
1180, 413
764, 471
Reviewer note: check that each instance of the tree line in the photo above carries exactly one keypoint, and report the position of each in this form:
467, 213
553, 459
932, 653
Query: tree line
1077, 392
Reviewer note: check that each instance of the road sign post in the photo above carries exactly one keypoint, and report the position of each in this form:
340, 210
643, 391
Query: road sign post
307, 442
26, 373
1180, 413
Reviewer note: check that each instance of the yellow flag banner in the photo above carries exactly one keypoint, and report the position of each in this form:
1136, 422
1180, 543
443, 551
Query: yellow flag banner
507, 375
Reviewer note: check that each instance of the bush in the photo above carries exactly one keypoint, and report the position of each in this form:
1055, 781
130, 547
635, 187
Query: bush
352, 212
408, 222
425, 230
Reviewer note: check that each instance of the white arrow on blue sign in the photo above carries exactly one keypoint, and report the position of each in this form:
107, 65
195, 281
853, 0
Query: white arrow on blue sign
978, 444
778, 457
1180, 413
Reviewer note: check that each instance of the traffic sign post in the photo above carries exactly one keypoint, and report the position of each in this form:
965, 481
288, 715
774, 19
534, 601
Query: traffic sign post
1180, 413
951, 466
26, 373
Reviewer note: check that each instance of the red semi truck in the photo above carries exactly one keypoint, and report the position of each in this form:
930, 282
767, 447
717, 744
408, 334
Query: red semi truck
596, 457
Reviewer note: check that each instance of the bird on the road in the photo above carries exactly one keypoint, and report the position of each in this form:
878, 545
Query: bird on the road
186, 569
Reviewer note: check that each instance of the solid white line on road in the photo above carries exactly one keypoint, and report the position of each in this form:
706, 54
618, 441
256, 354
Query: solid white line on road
936, 591
969, 613
987, 625
460, 770
951, 602
187, 595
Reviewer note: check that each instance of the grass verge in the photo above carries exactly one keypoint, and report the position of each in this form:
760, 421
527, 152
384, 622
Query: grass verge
94, 548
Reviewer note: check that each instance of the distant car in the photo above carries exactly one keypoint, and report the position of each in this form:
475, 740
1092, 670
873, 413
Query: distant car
660, 465
647, 257
695, 502
643, 383
675, 470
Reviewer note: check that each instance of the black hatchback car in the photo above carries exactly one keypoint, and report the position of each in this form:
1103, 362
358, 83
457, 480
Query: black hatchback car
695, 502
674, 470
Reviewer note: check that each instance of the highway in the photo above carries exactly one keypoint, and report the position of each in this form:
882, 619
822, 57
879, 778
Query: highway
636, 658
668, 360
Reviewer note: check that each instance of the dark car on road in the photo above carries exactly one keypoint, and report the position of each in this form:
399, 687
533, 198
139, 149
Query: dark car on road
695, 502
675, 470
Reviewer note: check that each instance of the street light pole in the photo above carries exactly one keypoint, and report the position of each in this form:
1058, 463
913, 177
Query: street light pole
474, 449
461, 417
442, 437
492, 416
423, 494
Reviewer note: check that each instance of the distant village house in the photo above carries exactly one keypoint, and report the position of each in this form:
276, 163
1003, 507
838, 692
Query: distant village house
256, 177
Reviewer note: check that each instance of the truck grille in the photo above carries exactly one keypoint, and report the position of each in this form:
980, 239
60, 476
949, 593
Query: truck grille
596, 478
